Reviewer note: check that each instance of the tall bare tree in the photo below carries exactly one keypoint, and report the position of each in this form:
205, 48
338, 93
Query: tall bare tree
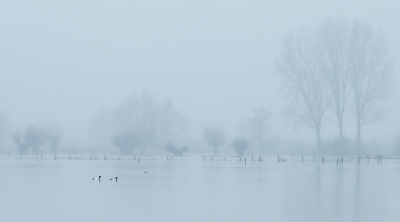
304, 82
370, 73
334, 40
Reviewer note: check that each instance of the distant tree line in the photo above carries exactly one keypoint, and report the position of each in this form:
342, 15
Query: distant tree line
35, 136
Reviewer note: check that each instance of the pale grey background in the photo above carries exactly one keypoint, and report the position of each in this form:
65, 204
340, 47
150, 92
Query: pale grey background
62, 61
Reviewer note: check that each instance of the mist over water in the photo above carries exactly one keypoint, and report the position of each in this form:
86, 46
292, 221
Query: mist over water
197, 190
205, 111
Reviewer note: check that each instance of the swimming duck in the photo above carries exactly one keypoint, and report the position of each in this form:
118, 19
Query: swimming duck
96, 178
116, 178
145, 171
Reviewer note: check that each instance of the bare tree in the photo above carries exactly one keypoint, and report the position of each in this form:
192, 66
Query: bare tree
304, 82
240, 146
54, 137
170, 123
257, 126
214, 137
177, 152
35, 136
127, 142
146, 122
22, 145
136, 118
334, 40
370, 73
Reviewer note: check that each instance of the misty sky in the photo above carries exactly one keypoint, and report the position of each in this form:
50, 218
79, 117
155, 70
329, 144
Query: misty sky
62, 61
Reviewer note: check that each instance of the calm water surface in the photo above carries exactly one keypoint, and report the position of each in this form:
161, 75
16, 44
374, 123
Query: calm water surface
189, 189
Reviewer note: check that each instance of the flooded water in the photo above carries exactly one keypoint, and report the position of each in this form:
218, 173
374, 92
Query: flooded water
190, 189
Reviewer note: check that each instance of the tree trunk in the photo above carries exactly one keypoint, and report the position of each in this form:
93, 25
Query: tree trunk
340, 123
358, 142
319, 143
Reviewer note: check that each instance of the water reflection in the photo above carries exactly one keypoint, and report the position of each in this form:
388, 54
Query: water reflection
196, 190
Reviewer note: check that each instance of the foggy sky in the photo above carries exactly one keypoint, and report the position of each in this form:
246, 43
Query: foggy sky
61, 62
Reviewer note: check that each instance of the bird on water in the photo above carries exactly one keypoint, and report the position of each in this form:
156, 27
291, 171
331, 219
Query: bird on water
116, 178
96, 178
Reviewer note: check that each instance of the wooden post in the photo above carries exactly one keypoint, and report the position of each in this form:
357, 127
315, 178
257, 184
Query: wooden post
21, 157
301, 158
41, 157
90, 157
240, 159
278, 158
359, 159
251, 158
322, 159
167, 158
244, 160
138, 160
342, 159
171, 158
368, 157
55, 157
225, 158
337, 161
105, 157
204, 157
135, 157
